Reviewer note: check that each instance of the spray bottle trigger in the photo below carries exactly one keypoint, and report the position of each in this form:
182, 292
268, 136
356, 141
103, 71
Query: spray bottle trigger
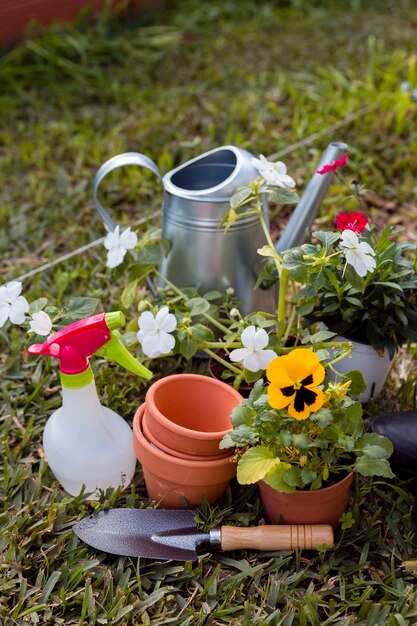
116, 351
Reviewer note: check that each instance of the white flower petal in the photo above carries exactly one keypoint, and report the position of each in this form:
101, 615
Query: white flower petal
265, 357
13, 290
18, 309
252, 362
128, 239
248, 337
111, 240
165, 343
362, 263
147, 322
41, 323
4, 313
148, 343
349, 239
239, 354
115, 256
366, 248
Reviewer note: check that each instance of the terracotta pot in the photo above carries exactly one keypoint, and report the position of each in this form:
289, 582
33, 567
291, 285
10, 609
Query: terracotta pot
321, 506
181, 455
171, 480
190, 413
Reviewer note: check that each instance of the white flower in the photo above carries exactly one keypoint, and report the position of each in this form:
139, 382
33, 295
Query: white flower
360, 255
153, 333
41, 323
118, 244
13, 306
275, 174
253, 355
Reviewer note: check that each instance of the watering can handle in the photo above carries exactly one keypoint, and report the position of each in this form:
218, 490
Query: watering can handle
120, 160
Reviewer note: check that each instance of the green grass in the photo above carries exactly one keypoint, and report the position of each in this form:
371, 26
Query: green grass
259, 75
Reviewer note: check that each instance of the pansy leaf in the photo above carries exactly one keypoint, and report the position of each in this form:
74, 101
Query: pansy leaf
241, 414
255, 464
308, 475
373, 467
358, 384
275, 478
293, 478
323, 417
374, 446
301, 440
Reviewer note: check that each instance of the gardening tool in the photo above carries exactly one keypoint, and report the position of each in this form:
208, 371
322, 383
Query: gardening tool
172, 534
86, 443
196, 198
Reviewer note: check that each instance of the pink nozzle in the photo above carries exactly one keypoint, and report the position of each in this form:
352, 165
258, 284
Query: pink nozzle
75, 343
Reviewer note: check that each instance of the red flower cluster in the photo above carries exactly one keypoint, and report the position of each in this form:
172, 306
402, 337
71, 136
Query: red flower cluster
332, 167
355, 220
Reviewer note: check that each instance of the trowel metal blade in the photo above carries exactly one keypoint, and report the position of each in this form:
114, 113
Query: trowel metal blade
149, 533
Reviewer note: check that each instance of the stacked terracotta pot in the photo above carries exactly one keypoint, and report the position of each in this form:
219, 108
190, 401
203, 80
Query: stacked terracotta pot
176, 434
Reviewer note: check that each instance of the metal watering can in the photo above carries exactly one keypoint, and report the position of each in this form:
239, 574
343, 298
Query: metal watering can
196, 196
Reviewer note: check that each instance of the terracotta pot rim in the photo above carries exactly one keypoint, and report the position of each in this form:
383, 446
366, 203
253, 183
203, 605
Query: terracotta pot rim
178, 453
163, 456
182, 430
312, 493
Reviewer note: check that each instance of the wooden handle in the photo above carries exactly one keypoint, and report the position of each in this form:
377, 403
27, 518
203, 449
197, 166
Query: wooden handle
294, 537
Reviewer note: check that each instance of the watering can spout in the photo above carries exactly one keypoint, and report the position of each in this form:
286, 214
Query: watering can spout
311, 200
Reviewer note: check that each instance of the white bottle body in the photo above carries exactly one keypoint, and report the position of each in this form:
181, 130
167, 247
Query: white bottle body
88, 444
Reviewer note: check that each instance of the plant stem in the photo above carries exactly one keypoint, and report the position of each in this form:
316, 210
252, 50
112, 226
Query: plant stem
225, 364
282, 291
206, 316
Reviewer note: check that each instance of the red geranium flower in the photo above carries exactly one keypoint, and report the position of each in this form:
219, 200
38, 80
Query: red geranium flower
332, 167
355, 220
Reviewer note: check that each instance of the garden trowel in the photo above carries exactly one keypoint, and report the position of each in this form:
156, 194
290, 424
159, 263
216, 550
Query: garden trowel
173, 534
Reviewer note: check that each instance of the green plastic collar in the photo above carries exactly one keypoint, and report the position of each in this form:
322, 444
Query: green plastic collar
75, 381
114, 319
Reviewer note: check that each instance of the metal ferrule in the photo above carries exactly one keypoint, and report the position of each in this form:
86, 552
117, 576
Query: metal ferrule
215, 535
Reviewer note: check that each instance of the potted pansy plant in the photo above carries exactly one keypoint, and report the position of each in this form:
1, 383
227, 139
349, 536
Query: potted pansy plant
301, 438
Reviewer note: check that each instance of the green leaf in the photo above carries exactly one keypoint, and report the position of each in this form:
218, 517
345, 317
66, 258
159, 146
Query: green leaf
213, 295
293, 478
241, 414
255, 464
268, 251
352, 278
38, 305
129, 293
323, 417
78, 308
323, 335
197, 306
358, 384
202, 333
282, 195
308, 475
240, 197
301, 440
188, 347
373, 467
275, 478
374, 446
327, 238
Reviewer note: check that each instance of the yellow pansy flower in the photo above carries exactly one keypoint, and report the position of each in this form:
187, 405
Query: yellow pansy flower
293, 381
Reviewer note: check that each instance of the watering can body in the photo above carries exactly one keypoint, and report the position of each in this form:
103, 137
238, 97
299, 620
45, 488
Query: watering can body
196, 197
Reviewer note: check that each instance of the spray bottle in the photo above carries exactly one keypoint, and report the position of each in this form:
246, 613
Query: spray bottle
86, 443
